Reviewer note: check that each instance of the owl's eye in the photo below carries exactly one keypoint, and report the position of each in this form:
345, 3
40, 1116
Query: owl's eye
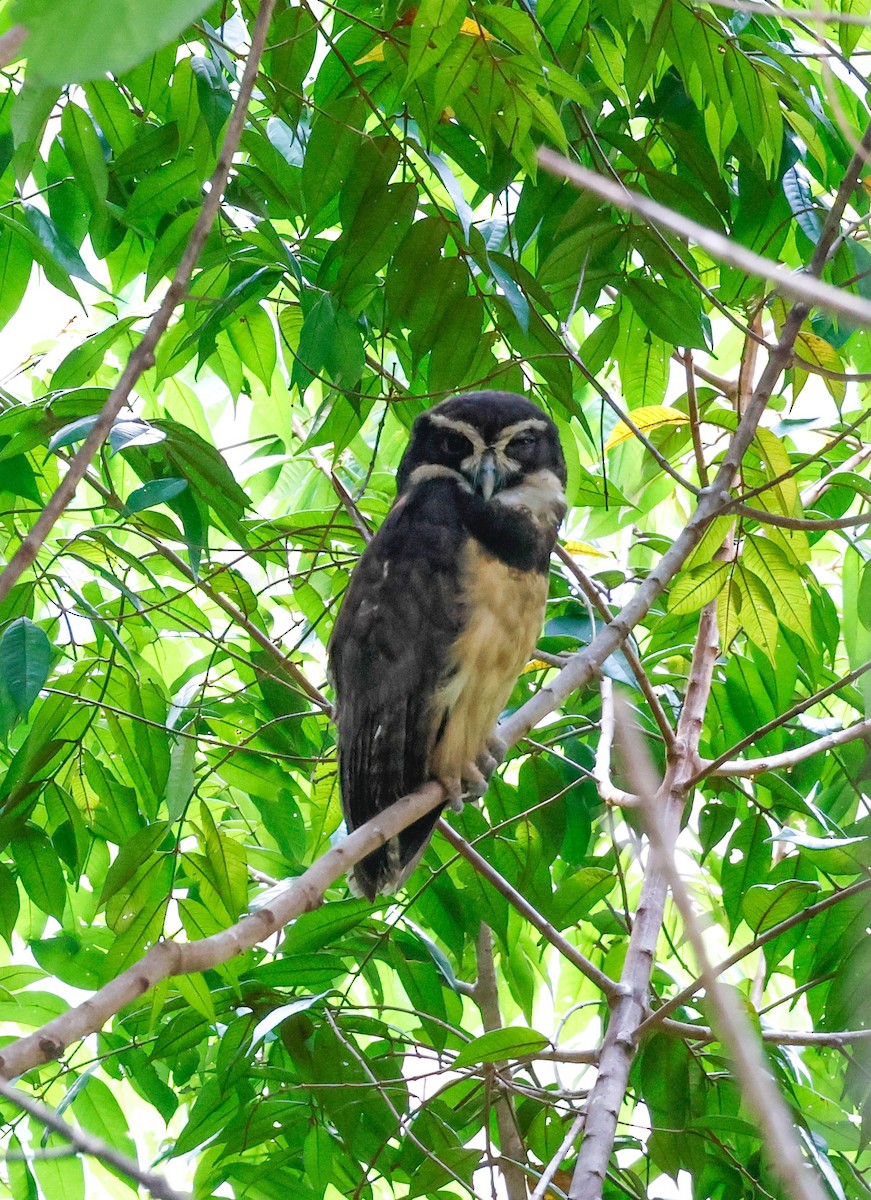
522, 442
454, 444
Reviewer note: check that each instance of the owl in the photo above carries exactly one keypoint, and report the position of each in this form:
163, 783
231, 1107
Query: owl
442, 613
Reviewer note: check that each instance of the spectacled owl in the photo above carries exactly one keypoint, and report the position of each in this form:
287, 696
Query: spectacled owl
442, 612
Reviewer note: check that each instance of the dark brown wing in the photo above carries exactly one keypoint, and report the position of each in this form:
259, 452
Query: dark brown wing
388, 654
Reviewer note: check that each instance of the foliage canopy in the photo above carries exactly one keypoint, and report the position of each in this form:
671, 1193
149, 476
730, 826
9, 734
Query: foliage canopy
386, 239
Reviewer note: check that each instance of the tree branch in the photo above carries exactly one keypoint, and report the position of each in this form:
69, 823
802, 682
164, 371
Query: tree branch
602, 981
170, 958
11, 43
627, 1012
822, 526
804, 289
86, 1143
789, 758
731, 1024
486, 996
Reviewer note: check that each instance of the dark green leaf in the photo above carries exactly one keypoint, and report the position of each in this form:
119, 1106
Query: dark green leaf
500, 1044
25, 661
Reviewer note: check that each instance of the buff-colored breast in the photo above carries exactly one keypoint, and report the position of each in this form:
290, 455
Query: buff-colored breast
505, 611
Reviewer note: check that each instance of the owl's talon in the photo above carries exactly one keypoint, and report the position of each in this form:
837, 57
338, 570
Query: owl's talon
474, 781
454, 789
497, 748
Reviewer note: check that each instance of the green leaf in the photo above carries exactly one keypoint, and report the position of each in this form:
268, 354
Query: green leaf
665, 312
253, 338
500, 1044
82, 147
124, 434
132, 856
57, 248
15, 266
154, 493
436, 25
9, 904
279, 1015
213, 94
211, 1109
695, 588
69, 44
82, 364
22, 1185
40, 872
757, 105
746, 863
97, 1110
60, 1176
25, 662
766, 904
317, 1154
163, 191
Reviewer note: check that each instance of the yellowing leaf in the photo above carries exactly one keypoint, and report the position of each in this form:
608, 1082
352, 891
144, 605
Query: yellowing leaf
376, 55
469, 27
783, 581
817, 352
694, 589
782, 496
535, 664
584, 548
472, 29
758, 617
652, 416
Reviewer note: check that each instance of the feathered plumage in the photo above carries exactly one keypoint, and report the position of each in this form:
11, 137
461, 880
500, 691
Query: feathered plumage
443, 610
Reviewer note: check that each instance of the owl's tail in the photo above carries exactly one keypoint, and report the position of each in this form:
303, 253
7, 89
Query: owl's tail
379, 763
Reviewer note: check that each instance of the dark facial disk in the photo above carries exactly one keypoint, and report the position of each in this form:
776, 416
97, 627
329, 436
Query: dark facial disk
492, 438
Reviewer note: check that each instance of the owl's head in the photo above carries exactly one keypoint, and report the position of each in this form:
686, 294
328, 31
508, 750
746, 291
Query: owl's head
493, 439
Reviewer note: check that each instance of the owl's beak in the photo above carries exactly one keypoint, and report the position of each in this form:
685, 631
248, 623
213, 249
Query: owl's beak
487, 475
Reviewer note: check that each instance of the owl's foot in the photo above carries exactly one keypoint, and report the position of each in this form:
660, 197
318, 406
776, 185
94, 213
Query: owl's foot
491, 756
454, 789
474, 781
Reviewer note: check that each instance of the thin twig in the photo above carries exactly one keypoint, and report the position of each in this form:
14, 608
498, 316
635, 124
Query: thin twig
803, 289
799, 918
608, 793
789, 758
602, 981
86, 1143
628, 650
486, 995
782, 719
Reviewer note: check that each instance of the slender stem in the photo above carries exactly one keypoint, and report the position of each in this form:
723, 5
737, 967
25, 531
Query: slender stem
602, 981
83, 1142
486, 996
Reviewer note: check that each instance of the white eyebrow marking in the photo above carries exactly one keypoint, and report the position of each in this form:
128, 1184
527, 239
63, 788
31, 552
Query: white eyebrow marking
511, 431
463, 427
